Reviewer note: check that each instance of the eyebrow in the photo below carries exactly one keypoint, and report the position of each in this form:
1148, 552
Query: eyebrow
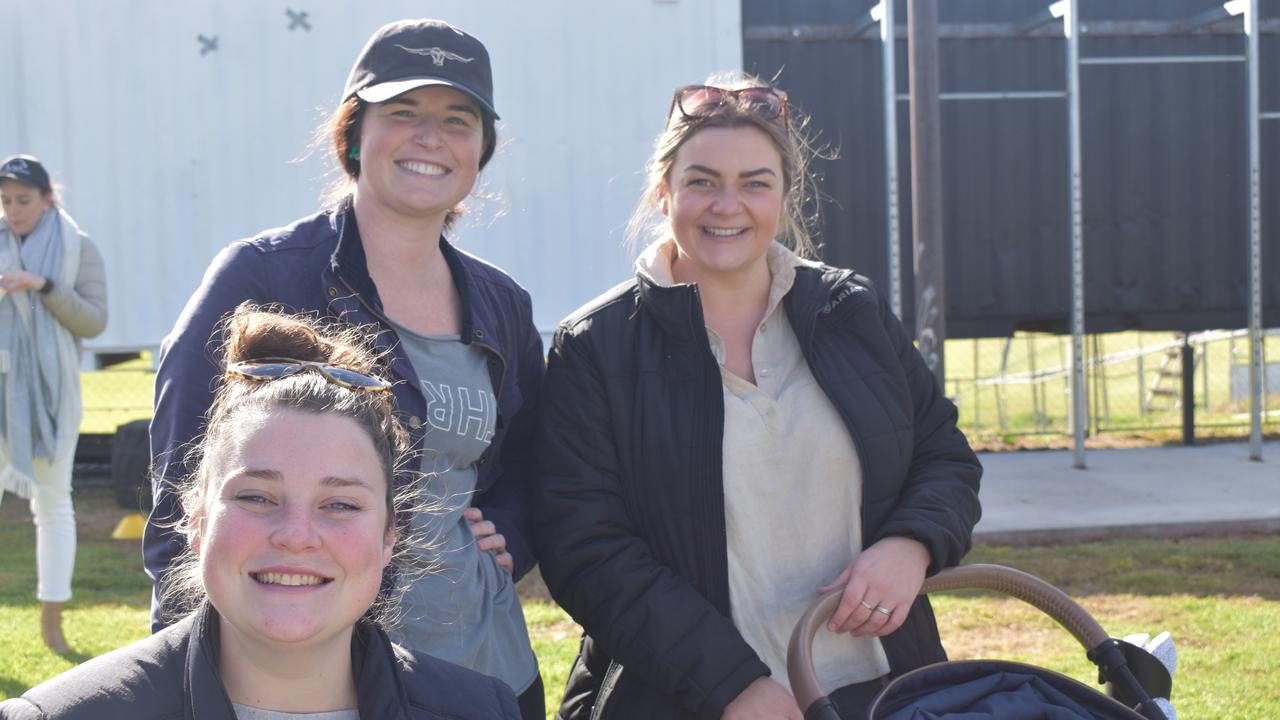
328, 481
455, 107
715, 173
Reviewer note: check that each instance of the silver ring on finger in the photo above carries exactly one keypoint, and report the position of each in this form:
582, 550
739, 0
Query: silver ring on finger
864, 604
885, 611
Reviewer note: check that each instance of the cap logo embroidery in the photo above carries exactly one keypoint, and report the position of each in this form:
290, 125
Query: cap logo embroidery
18, 165
437, 55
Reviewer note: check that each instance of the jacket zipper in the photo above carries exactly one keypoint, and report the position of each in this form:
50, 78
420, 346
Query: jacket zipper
607, 683
819, 374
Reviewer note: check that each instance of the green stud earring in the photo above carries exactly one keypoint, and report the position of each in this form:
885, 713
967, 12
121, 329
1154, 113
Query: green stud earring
354, 153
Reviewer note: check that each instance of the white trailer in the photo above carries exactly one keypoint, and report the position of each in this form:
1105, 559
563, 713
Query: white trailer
177, 126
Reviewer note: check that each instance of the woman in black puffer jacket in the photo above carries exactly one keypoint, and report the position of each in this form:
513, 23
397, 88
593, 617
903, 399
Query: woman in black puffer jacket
734, 430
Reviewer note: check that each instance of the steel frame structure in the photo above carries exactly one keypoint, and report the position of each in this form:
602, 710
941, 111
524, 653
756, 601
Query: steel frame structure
1213, 21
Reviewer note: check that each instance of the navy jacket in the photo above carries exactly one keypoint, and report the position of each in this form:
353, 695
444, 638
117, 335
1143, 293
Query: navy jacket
630, 496
173, 675
318, 265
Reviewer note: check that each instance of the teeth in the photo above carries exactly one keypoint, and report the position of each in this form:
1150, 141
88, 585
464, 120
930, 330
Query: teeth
723, 232
422, 168
290, 579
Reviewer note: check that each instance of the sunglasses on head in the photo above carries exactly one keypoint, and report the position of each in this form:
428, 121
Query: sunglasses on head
267, 369
700, 101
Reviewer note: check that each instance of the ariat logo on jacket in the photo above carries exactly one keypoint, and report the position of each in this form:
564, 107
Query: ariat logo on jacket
845, 292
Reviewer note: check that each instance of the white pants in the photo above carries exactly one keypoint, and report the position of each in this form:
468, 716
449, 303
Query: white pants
55, 523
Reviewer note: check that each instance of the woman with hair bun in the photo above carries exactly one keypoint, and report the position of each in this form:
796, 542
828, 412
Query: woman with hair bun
415, 127
290, 527
53, 293
733, 430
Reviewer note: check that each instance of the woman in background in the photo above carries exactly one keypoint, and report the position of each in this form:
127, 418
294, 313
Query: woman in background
290, 526
730, 432
53, 293
415, 127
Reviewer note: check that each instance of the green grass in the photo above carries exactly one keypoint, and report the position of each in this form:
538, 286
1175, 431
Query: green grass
112, 595
117, 395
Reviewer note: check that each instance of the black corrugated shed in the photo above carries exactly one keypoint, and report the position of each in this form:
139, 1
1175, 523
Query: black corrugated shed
1164, 156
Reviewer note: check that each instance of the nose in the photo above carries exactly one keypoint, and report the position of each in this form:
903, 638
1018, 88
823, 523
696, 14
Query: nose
428, 134
726, 201
295, 530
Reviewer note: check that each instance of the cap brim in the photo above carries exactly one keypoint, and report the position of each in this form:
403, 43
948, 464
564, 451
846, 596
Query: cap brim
24, 179
383, 92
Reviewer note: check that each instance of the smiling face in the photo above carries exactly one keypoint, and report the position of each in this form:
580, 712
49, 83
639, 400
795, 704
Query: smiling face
294, 533
419, 153
723, 198
23, 205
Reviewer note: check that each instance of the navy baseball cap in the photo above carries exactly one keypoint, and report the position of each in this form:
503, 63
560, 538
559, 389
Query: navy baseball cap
26, 170
409, 54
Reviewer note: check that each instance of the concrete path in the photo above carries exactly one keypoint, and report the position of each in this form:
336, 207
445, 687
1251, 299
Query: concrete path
1036, 496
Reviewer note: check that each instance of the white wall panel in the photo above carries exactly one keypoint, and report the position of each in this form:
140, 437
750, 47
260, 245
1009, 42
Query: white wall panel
167, 155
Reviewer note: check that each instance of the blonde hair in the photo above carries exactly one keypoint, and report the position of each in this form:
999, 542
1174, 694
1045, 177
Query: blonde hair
799, 222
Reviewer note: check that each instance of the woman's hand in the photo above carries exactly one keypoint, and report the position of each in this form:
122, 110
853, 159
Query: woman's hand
879, 587
489, 539
764, 699
20, 280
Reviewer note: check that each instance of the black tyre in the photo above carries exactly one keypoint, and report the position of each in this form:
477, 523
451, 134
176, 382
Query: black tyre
131, 465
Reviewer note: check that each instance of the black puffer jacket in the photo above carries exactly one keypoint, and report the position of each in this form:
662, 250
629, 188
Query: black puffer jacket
630, 517
173, 675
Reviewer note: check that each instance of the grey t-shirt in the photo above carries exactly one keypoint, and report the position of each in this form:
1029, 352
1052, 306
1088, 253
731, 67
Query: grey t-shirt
466, 612
247, 712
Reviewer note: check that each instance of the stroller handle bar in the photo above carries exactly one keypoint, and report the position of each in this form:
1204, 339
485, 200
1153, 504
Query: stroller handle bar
1015, 583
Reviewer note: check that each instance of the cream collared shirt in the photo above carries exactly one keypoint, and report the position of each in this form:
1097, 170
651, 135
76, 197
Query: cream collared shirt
792, 489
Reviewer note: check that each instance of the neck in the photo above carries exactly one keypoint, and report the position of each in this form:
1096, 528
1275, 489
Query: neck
306, 679
398, 248
730, 301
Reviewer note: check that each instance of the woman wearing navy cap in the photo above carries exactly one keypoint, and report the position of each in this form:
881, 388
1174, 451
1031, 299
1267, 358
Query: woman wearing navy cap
413, 130
53, 292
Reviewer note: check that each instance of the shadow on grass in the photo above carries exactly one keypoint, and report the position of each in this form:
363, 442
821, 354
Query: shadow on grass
12, 688
1219, 566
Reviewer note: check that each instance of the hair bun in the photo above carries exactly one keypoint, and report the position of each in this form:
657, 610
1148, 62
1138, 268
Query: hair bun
252, 331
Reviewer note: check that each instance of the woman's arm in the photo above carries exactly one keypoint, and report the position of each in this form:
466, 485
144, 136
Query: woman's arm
82, 309
184, 391
939, 503
637, 610
508, 503
931, 526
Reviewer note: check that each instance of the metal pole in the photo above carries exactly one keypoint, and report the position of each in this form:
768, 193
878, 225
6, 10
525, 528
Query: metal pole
1079, 400
926, 183
1255, 237
1188, 391
889, 63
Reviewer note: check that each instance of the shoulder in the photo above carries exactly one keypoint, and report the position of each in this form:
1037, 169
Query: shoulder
485, 274
829, 288
616, 303
146, 674
442, 689
306, 233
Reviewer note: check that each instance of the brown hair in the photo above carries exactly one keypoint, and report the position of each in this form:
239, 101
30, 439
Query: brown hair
249, 333
342, 131
790, 137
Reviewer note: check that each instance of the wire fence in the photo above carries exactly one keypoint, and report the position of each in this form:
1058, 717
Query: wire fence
1011, 388
1006, 388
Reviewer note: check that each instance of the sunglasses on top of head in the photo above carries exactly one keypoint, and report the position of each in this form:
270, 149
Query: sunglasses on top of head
700, 101
267, 369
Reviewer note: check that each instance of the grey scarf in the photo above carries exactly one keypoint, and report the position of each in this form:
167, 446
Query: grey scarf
39, 359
